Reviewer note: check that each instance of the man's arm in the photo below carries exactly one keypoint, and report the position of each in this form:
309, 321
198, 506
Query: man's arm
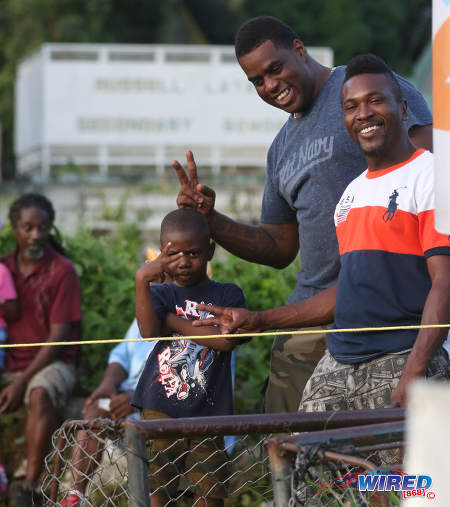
273, 244
185, 328
436, 311
422, 136
314, 311
12, 395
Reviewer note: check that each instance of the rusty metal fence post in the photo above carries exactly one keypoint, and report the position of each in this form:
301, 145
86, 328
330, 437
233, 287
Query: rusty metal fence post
137, 462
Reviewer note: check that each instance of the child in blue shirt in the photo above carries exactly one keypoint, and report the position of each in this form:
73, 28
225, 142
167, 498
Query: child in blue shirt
184, 378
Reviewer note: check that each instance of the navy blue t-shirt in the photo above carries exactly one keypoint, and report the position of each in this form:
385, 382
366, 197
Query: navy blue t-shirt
182, 378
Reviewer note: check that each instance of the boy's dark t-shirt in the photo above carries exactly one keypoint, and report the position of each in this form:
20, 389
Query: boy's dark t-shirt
182, 378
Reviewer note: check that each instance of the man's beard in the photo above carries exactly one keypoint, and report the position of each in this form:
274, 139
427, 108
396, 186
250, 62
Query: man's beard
376, 151
34, 253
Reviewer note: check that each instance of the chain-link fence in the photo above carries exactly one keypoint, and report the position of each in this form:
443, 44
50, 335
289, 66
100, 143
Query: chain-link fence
184, 460
93, 457
90, 457
322, 468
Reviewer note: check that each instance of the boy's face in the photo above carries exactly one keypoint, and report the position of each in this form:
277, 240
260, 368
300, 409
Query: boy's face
190, 268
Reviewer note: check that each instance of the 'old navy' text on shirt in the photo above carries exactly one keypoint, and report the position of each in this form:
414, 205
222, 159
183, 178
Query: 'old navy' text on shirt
310, 153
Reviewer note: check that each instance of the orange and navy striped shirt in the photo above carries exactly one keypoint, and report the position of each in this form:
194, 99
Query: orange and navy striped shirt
385, 229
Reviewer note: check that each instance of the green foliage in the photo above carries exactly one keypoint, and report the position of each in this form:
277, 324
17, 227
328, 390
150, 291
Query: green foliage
264, 287
106, 267
352, 27
7, 241
26, 24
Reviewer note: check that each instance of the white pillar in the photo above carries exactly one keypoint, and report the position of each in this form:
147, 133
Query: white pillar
428, 440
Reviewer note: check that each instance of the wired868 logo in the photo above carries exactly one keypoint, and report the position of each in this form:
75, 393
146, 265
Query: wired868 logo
384, 480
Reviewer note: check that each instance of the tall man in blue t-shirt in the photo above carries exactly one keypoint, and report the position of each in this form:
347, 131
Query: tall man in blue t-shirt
394, 272
309, 164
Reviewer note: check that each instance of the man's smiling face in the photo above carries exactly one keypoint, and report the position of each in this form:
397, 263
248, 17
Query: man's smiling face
280, 76
373, 114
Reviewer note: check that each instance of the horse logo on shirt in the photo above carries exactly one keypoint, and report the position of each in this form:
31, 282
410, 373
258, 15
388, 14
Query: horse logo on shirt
388, 215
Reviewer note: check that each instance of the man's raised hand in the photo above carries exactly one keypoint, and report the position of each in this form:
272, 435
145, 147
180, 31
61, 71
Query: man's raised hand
193, 194
230, 320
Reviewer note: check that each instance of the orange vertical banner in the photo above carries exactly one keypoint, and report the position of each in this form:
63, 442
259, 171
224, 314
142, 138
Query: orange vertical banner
441, 111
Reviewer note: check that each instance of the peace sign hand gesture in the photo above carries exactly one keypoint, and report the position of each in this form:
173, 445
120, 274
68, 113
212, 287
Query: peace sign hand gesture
193, 194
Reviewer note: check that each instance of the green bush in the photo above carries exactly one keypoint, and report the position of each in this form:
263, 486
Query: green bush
106, 266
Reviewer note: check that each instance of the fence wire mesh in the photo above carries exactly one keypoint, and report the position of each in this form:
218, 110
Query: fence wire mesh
185, 461
87, 457
91, 457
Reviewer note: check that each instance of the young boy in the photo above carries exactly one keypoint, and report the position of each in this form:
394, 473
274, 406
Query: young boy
184, 378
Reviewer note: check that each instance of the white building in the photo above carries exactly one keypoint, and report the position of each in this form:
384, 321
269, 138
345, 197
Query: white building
131, 109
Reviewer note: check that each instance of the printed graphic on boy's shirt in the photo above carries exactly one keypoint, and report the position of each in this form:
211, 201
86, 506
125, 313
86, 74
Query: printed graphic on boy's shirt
183, 364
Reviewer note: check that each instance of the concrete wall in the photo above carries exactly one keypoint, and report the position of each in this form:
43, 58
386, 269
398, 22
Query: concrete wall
99, 207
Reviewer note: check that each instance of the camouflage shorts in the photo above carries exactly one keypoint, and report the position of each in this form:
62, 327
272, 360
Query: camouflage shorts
197, 464
366, 385
292, 363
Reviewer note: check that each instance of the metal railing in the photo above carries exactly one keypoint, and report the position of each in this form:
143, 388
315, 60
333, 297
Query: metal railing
183, 460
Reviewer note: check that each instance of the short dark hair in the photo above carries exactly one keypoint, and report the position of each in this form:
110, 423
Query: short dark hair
187, 220
33, 200
256, 31
372, 64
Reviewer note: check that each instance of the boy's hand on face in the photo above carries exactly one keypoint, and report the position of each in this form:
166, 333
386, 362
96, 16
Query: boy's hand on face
158, 271
230, 320
193, 194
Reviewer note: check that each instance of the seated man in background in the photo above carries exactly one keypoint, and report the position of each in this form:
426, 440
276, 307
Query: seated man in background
111, 399
395, 267
49, 293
